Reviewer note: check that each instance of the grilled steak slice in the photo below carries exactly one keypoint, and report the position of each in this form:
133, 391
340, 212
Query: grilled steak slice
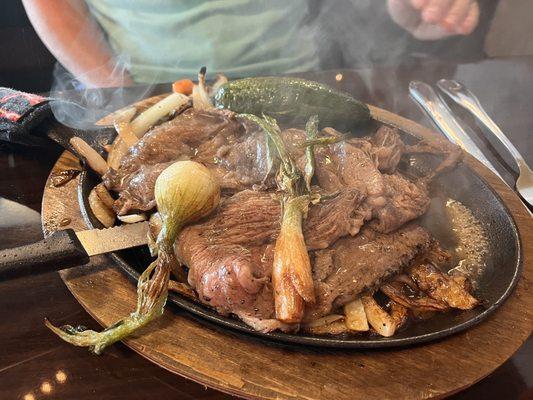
233, 149
343, 164
352, 265
138, 193
404, 201
333, 218
230, 255
180, 138
245, 162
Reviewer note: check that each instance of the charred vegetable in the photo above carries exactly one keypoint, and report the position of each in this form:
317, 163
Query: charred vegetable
185, 192
294, 99
291, 274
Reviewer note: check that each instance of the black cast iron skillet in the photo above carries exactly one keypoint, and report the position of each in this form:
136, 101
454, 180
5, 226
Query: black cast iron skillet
503, 262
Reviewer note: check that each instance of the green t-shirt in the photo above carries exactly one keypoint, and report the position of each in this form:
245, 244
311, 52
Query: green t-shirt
164, 40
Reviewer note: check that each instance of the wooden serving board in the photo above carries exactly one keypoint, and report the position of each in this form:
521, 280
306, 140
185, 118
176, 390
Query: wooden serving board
250, 368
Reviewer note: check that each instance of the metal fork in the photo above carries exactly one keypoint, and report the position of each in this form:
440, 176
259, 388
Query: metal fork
443, 118
465, 98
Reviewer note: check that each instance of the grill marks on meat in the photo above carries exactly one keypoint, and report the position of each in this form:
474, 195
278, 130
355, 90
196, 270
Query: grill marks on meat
352, 265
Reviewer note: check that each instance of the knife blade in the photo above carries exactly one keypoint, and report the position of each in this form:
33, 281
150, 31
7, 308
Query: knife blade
66, 248
107, 240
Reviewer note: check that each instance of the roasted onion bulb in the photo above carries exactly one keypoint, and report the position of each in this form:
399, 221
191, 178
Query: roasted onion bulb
184, 192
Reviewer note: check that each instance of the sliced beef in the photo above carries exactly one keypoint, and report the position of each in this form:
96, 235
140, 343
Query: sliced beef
180, 136
230, 254
352, 265
387, 149
232, 148
404, 201
333, 218
177, 139
245, 163
343, 164
139, 191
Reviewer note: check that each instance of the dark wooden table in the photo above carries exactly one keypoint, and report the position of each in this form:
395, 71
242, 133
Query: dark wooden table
34, 364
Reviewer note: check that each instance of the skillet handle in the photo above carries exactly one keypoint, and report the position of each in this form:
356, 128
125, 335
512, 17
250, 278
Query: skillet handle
60, 250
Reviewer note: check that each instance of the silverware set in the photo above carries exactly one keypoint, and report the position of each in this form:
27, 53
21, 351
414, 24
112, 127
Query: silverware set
461, 134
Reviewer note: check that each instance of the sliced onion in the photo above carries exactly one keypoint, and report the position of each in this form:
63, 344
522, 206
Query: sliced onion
103, 213
174, 102
154, 227
124, 128
132, 218
220, 80
181, 288
200, 95
355, 316
334, 328
95, 160
377, 317
104, 195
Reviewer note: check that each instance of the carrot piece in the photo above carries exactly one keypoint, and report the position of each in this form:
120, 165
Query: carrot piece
183, 86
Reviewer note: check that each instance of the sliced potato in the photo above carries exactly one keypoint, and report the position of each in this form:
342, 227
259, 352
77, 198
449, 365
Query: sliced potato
356, 316
377, 317
103, 213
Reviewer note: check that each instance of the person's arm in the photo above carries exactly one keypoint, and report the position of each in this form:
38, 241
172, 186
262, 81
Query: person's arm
68, 30
435, 19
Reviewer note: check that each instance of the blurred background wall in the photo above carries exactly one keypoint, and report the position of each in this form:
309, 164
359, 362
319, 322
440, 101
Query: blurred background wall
511, 32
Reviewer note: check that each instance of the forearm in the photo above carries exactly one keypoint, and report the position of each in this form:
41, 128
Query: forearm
76, 40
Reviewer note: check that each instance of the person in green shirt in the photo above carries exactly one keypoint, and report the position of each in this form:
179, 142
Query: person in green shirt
120, 42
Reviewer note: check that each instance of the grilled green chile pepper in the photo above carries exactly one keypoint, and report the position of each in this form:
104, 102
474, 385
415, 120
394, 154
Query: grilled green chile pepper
292, 99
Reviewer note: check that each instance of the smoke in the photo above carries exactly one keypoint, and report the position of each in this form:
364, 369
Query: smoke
80, 107
301, 36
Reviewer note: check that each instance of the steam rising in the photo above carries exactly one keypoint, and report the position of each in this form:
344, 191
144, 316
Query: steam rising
339, 34
82, 107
